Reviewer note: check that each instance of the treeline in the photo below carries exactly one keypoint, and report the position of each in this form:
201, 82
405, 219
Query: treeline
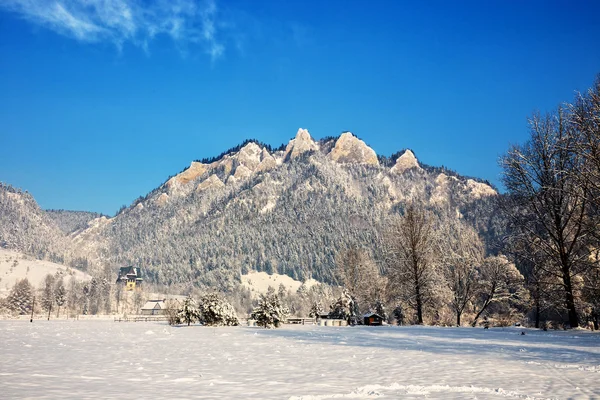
58, 293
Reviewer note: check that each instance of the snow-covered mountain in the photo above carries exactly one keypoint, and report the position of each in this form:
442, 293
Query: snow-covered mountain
286, 210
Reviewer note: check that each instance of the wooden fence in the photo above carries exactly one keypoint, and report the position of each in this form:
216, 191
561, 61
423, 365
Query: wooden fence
150, 318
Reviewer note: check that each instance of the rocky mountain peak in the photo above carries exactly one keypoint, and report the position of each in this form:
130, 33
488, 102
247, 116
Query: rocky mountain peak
405, 162
302, 143
250, 155
350, 149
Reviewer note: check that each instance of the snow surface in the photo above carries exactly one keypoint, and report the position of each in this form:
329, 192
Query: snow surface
104, 359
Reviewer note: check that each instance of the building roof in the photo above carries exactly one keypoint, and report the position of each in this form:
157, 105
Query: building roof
372, 314
125, 272
154, 305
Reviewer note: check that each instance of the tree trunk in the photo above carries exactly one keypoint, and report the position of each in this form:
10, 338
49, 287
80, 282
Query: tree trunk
537, 312
58, 312
569, 299
458, 318
419, 306
485, 304
418, 291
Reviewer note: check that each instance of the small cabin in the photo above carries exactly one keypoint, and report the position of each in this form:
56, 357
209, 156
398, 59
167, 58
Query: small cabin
130, 277
153, 307
372, 319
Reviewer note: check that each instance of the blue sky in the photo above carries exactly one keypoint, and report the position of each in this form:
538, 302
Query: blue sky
101, 103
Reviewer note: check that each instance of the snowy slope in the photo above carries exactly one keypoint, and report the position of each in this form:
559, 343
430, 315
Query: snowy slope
15, 266
103, 359
260, 282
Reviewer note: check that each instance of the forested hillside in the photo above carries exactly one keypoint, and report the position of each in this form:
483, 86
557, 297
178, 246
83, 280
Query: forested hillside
27, 228
71, 221
288, 211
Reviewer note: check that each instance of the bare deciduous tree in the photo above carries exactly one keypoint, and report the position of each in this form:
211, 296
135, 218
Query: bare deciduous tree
549, 206
499, 282
409, 246
585, 116
461, 251
360, 276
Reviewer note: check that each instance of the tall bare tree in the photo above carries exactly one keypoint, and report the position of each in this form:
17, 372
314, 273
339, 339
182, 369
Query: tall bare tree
409, 247
549, 205
585, 116
461, 252
360, 276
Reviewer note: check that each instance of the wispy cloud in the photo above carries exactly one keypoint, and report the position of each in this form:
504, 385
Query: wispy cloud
187, 22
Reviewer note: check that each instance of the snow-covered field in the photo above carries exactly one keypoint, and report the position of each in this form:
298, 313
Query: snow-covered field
105, 359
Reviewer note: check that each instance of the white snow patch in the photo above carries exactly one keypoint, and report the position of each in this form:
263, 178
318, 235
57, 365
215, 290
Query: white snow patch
259, 282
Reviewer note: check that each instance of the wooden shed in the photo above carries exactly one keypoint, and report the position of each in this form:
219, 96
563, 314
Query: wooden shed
372, 319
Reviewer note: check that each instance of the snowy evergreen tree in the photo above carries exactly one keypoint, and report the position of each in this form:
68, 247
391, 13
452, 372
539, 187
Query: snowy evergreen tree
399, 315
189, 311
380, 309
60, 295
20, 298
216, 311
343, 308
315, 310
270, 312
48, 292
85, 298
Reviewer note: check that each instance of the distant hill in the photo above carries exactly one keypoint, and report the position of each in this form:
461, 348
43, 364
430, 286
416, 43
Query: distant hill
71, 221
26, 228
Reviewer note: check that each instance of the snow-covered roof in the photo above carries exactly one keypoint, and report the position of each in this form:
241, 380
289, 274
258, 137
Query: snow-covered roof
153, 305
372, 314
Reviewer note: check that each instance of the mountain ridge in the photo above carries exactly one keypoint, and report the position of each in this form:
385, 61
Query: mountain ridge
288, 211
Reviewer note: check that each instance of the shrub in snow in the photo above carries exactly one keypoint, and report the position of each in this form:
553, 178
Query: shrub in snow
217, 312
172, 312
189, 312
270, 312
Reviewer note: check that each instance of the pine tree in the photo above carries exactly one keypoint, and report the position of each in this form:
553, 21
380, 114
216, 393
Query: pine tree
270, 312
399, 315
189, 312
315, 310
380, 309
60, 295
20, 298
343, 308
48, 293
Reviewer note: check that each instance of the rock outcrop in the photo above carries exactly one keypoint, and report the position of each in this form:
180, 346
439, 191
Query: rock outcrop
212, 182
405, 162
300, 144
350, 149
